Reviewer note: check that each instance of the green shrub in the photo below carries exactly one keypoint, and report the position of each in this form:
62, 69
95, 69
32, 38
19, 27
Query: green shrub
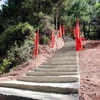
17, 33
4, 65
17, 55
16, 46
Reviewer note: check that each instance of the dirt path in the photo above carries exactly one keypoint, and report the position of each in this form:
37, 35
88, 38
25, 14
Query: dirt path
90, 70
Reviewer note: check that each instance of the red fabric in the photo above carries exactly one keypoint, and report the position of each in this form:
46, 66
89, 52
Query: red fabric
52, 40
77, 36
62, 29
77, 29
78, 44
36, 44
60, 32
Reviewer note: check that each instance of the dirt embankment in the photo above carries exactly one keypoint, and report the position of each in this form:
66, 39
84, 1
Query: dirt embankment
90, 70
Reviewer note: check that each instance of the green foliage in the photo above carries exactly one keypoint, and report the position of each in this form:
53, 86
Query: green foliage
17, 33
16, 46
44, 39
4, 65
17, 55
97, 9
46, 26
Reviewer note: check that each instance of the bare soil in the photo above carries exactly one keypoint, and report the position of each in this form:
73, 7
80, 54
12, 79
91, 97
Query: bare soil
90, 70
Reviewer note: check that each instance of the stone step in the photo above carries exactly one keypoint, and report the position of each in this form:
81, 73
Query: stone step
50, 73
44, 79
65, 57
61, 63
67, 48
64, 54
18, 94
64, 51
56, 70
58, 66
62, 88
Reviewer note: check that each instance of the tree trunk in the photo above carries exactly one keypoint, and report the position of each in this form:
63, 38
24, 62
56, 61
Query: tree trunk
84, 30
89, 31
56, 21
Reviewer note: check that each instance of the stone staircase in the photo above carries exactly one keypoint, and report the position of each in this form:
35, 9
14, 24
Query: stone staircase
57, 79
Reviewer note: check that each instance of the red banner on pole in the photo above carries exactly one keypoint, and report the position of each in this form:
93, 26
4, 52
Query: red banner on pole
52, 40
62, 29
78, 36
36, 44
60, 32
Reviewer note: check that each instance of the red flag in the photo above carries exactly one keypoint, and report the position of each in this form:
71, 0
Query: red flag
60, 32
77, 29
36, 44
78, 44
62, 29
78, 37
74, 32
52, 40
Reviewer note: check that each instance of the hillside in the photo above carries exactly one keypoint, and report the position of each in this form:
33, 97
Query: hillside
90, 70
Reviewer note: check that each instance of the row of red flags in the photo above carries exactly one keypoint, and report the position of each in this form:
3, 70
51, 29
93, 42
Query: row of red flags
52, 40
60, 34
61, 31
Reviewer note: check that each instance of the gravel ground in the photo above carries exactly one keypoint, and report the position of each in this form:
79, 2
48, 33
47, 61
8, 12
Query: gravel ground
90, 70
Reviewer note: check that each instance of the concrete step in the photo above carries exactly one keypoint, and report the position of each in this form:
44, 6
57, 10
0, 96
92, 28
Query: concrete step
18, 94
47, 79
68, 48
58, 66
65, 57
61, 63
65, 54
50, 73
61, 88
64, 51
56, 70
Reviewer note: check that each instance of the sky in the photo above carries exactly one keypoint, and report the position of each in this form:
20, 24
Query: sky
2, 2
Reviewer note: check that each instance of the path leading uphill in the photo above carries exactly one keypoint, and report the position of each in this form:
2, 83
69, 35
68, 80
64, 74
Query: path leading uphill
57, 79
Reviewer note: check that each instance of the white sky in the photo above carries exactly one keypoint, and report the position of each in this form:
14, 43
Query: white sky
2, 2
